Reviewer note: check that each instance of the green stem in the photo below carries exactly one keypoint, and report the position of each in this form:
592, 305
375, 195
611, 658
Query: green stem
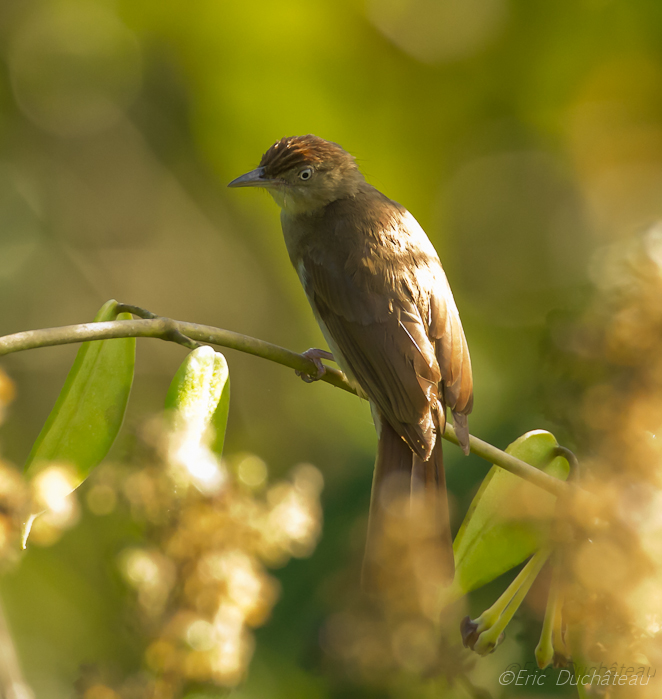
172, 331
545, 649
498, 616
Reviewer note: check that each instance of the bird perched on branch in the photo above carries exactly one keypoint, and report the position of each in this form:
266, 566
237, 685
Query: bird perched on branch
383, 303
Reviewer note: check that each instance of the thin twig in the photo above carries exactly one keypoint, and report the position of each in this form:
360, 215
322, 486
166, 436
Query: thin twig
161, 328
510, 463
182, 333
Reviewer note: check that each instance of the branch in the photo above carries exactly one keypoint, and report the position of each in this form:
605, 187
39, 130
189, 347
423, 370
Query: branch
181, 333
516, 466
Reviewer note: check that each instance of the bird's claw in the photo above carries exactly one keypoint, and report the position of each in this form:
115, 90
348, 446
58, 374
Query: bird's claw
315, 356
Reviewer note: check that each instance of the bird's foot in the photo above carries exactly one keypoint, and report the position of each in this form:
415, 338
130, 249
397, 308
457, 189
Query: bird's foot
315, 356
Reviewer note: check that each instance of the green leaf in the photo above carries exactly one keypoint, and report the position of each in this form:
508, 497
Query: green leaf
509, 519
200, 396
90, 409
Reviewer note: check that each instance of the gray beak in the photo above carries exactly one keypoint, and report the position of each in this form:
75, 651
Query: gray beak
254, 178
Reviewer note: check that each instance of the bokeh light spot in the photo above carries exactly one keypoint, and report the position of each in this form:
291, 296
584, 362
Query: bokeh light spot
252, 471
435, 31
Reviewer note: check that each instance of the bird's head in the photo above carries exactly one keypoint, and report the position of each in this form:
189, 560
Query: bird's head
304, 173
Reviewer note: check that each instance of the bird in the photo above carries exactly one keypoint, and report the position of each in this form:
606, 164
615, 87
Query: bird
384, 305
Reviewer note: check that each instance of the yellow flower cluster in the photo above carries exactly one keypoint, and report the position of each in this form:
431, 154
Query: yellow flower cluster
201, 583
613, 547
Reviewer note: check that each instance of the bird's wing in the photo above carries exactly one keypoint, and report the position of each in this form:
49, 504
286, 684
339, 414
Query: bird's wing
391, 314
452, 352
390, 359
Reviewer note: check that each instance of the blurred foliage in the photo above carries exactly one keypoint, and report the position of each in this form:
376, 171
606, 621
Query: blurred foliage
89, 412
205, 536
525, 136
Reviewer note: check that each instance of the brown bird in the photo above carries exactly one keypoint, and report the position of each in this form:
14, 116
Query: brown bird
383, 303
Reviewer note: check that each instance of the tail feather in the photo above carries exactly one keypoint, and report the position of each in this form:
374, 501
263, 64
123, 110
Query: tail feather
409, 527
430, 513
461, 425
390, 484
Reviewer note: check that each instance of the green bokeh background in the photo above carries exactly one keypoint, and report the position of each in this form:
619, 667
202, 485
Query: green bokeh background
523, 135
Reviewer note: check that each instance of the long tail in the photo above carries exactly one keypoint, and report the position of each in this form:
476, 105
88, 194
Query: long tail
409, 528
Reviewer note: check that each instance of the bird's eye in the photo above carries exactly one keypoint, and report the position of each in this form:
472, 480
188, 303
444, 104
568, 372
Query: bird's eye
306, 173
